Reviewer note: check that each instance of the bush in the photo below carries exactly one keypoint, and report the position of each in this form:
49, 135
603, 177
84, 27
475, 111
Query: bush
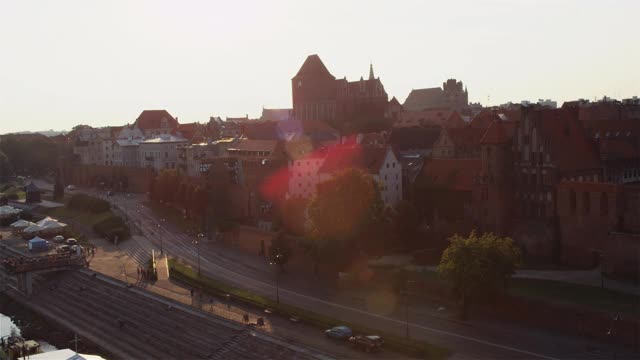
111, 227
82, 202
13, 196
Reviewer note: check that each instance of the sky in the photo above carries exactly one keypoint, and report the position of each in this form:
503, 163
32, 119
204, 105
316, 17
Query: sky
69, 62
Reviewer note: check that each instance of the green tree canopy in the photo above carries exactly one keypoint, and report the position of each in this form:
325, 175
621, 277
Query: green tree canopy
478, 264
344, 210
294, 215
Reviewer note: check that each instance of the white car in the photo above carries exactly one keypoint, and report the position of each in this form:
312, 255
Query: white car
58, 239
70, 187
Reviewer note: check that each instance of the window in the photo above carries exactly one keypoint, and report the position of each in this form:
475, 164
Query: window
393, 165
586, 203
572, 202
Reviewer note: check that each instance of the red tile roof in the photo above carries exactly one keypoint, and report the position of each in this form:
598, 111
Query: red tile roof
453, 174
313, 66
495, 134
427, 118
152, 119
342, 157
570, 148
466, 136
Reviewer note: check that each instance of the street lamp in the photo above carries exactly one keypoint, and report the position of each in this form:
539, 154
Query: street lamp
278, 259
160, 236
406, 300
197, 244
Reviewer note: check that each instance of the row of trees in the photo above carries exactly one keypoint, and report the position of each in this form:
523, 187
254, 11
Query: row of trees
169, 187
347, 217
33, 154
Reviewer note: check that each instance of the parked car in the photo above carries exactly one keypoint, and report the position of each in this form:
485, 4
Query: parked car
58, 239
368, 343
339, 332
72, 241
63, 249
110, 193
70, 187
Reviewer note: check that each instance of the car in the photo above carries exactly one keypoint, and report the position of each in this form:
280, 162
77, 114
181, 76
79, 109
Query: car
109, 193
339, 332
70, 187
71, 241
58, 238
368, 343
63, 249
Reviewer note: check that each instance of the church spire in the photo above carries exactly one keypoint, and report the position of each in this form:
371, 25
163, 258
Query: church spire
371, 77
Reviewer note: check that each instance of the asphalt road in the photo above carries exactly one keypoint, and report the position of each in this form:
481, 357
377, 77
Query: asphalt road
467, 340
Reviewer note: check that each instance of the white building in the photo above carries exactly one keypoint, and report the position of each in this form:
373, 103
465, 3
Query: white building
161, 152
307, 172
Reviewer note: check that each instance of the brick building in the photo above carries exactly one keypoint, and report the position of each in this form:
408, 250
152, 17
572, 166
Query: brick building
318, 95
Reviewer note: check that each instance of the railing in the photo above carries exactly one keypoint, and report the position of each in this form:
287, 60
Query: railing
27, 264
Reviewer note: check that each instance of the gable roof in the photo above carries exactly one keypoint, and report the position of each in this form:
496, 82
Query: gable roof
570, 148
414, 138
394, 102
313, 66
433, 117
465, 136
453, 174
254, 145
152, 119
421, 99
260, 130
342, 157
276, 114
495, 134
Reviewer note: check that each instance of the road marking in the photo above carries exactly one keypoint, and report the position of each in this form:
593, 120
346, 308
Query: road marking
443, 332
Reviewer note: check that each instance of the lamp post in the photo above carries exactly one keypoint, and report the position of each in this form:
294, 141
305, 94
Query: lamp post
278, 260
160, 236
406, 302
197, 244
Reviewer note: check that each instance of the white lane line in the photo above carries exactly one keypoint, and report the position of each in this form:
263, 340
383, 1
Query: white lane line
443, 332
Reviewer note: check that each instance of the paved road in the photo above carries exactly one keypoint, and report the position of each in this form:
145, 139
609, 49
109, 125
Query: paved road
468, 340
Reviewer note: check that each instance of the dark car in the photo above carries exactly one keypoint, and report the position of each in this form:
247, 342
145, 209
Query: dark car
368, 343
339, 332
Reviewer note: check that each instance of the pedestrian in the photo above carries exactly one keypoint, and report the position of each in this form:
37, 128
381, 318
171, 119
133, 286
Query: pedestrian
210, 304
138, 272
191, 292
144, 274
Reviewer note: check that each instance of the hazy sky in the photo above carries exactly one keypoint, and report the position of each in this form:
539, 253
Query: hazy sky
100, 63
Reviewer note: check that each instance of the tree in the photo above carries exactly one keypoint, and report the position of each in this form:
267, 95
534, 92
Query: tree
4, 167
294, 215
478, 265
166, 185
406, 220
344, 208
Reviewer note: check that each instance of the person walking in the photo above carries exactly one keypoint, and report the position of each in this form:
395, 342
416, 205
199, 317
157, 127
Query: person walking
138, 272
191, 292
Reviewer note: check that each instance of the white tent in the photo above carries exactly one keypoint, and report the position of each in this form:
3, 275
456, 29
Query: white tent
33, 229
54, 225
6, 211
45, 221
20, 224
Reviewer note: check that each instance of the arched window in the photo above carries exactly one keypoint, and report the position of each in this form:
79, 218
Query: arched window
604, 204
572, 202
586, 203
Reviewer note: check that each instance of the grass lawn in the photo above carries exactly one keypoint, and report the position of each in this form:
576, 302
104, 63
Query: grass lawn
558, 292
84, 217
565, 293
189, 276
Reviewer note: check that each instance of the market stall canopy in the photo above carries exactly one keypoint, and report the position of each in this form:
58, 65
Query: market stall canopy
46, 220
54, 225
22, 224
7, 210
33, 228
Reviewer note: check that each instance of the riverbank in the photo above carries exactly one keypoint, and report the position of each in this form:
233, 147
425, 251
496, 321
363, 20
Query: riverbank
33, 326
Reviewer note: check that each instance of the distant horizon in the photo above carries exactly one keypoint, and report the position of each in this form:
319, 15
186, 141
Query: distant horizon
70, 63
